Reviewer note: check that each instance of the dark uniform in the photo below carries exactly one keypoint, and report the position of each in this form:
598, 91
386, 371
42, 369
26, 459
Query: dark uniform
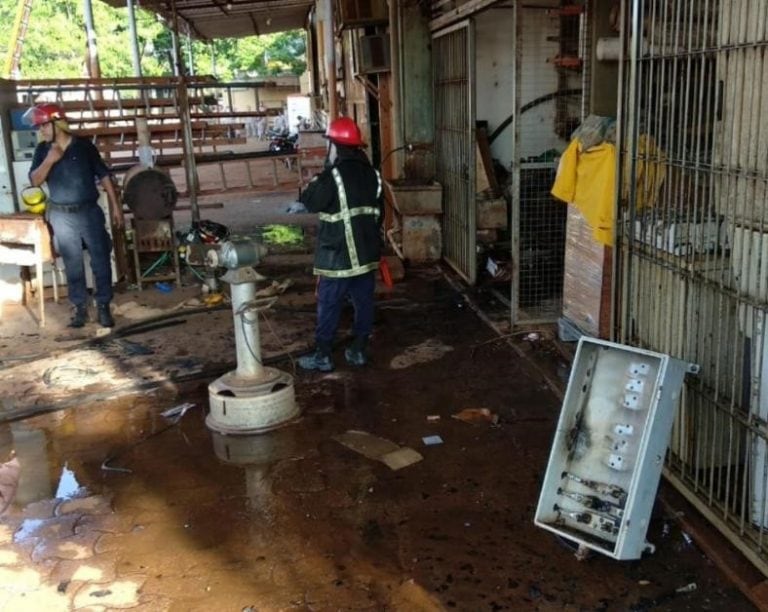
348, 200
76, 218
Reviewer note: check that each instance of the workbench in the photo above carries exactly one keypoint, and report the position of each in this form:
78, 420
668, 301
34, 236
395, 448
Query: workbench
25, 240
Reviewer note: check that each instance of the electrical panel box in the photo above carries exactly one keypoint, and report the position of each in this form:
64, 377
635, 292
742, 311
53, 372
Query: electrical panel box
24, 143
609, 447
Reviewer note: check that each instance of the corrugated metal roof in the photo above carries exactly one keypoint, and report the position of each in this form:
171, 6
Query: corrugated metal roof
209, 19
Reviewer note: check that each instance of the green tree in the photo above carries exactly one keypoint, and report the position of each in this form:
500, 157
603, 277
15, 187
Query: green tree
55, 45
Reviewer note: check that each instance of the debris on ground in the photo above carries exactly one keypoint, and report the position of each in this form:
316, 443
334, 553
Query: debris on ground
432, 440
135, 311
275, 288
433, 417
379, 449
429, 350
9, 481
177, 412
296, 208
477, 415
67, 375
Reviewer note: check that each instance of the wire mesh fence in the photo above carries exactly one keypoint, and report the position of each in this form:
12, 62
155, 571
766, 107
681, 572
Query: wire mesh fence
550, 105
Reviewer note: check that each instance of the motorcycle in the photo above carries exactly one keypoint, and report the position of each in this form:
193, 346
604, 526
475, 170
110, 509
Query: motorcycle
283, 142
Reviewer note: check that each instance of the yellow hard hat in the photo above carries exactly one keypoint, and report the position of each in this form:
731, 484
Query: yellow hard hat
34, 199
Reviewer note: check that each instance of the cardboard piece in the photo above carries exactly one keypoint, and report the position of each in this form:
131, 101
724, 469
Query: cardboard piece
395, 457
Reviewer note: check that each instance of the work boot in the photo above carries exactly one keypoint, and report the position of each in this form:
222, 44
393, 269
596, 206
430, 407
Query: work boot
319, 360
79, 316
105, 315
355, 352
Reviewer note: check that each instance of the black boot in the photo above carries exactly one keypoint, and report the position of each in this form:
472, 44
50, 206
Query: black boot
319, 360
79, 316
105, 315
355, 352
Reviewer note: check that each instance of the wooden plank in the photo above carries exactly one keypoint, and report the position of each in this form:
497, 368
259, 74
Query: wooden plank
218, 142
105, 83
161, 136
481, 177
127, 129
484, 150
123, 104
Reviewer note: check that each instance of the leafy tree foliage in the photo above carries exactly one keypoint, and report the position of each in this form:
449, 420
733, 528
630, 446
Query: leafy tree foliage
55, 45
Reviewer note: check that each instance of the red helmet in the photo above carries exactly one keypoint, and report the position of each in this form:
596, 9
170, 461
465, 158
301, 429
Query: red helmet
344, 131
43, 113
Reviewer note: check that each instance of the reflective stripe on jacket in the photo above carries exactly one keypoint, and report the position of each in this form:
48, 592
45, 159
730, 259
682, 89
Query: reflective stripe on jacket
348, 200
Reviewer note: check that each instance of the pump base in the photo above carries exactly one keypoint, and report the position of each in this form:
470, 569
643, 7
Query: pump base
243, 407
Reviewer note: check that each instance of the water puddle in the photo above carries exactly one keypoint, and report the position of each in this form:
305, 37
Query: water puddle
68, 485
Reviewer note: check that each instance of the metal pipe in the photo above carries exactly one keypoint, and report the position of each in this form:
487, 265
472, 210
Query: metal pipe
330, 58
186, 122
94, 70
633, 122
175, 45
514, 222
395, 246
617, 256
395, 76
134, 40
190, 56
247, 341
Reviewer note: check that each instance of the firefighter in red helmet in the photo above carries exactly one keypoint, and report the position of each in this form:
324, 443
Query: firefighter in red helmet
347, 197
71, 167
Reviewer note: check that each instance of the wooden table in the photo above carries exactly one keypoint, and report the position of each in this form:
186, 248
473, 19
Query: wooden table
25, 240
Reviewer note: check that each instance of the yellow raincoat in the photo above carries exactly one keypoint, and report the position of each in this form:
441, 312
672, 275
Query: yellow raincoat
586, 179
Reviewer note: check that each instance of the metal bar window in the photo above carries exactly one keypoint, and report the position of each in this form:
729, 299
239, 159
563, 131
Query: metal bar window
693, 241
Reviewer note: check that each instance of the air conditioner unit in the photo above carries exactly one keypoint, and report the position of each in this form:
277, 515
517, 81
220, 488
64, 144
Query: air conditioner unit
374, 54
361, 13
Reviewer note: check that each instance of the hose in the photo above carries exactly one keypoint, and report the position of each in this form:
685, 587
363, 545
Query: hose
529, 106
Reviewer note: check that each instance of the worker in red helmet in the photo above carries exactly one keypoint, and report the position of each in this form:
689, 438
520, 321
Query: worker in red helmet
71, 166
347, 197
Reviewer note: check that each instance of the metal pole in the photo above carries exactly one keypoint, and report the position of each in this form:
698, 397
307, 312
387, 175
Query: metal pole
94, 70
330, 59
186, 122
190, 56
395, 74
247, 341
134, 40
174, 46
633, 124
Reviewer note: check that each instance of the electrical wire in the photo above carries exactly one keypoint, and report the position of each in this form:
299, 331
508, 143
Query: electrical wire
256, 306
386, 157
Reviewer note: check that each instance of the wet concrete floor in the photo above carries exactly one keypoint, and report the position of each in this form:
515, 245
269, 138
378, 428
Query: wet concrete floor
121, 508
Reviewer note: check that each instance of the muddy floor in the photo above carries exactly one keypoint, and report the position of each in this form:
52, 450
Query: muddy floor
120, 507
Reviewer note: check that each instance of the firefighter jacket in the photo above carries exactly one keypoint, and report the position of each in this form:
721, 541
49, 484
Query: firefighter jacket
347, 198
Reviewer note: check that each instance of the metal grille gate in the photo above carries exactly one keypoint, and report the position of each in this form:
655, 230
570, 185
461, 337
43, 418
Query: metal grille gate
693, 241
453, 69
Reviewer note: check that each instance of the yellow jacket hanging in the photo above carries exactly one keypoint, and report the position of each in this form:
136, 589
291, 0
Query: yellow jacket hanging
586, 179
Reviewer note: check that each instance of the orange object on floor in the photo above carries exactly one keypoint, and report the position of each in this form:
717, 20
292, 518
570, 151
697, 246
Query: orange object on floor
386, 276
